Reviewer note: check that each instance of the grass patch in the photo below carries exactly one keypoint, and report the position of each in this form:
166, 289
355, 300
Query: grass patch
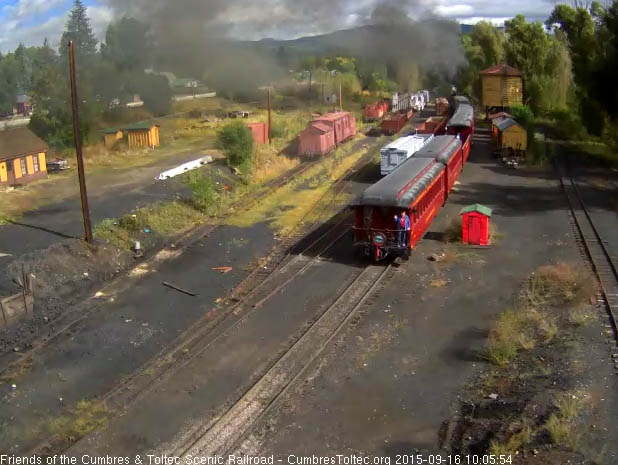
562, 425
522, 435
16, 371
558, 284
453, 231
293, 203
83, 418
164, 219
518, 329
269, 163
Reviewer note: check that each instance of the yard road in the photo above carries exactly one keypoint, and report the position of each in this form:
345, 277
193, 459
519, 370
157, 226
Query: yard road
112, 193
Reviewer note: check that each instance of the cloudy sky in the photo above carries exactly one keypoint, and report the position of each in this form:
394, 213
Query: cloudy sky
30, 21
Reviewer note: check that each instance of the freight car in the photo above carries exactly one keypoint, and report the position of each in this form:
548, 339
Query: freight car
394, 122
375, 111
398, 151
416, 187
325, 133
432, 125
461, 124
342, 123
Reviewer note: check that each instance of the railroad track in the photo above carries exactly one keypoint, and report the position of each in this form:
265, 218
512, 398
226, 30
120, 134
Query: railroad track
593, 247
226, 431
295, 254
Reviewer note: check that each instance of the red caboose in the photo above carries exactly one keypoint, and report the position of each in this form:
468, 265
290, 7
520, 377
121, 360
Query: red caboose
475, 224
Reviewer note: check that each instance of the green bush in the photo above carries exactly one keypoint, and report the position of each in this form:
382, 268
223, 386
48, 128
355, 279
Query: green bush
236, 141
278, 130
523, 115
205, 196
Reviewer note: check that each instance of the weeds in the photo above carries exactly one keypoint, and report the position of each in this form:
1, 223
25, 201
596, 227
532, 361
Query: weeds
85, 417
204, 195
557, 284
522, 436
518, 329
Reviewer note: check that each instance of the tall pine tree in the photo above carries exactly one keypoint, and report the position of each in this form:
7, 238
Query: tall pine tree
78, 30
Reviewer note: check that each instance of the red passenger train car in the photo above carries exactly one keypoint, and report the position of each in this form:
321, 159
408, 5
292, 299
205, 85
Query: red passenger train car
447, 150
462, 124
417, 187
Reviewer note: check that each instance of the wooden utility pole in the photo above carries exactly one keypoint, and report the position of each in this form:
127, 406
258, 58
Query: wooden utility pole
340, 98
310, 77
77, 136
270, 141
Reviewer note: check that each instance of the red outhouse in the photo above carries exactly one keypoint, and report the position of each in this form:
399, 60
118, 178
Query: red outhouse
475, 224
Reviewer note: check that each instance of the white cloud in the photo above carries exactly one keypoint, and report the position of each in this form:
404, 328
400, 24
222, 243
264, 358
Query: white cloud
454, 10
16, 31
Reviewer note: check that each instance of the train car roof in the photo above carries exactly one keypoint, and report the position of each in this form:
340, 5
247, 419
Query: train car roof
441, 148
403, 185
404, 142
464, 116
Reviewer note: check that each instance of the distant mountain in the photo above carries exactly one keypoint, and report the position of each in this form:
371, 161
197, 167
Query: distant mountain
465, 28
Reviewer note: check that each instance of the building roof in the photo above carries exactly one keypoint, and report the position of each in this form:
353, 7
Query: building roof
501, 70
402, 186
500, 114
138, 127
476, 208
440, 148
130, 127
464, 116
506, 123
18, 142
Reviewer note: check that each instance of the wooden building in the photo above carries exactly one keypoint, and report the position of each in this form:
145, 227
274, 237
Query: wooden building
111, 136
142, 135
22, 156
502, 86
138, 135
511, 135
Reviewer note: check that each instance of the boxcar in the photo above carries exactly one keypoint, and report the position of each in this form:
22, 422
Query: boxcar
417, 187
342, 123
316, 139
462, 124
448, 151
398, 151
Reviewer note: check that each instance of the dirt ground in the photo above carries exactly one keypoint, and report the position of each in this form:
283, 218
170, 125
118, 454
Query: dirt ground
390, 384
